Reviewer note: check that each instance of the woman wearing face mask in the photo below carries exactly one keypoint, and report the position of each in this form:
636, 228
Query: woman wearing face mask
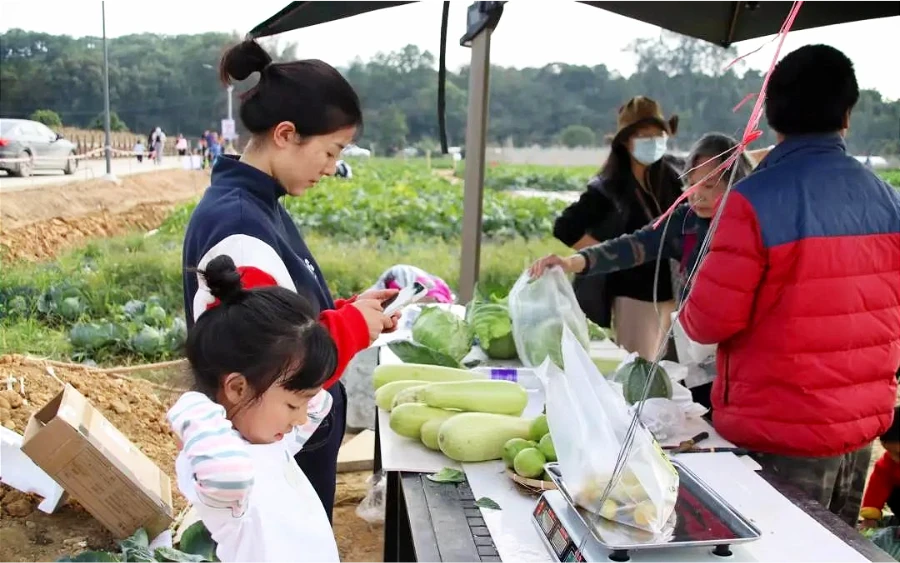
680, 241
636, 184
300, 114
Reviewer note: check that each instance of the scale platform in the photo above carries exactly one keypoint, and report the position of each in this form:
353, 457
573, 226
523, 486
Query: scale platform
702, 527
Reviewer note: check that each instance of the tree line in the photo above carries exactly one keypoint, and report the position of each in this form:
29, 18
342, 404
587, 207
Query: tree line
171, 82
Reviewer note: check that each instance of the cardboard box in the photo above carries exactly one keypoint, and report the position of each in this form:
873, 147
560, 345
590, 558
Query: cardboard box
96, 464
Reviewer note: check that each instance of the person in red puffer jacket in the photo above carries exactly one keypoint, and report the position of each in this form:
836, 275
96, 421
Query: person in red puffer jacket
801, 291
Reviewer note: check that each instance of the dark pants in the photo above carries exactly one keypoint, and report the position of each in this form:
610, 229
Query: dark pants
837, 483
894, 504
318, 458
701, 395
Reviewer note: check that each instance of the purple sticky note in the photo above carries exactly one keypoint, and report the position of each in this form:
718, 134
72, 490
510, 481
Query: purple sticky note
505, 374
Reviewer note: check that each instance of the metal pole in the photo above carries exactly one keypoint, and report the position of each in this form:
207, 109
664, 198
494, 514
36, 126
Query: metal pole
106, 93
230, 90
476, 131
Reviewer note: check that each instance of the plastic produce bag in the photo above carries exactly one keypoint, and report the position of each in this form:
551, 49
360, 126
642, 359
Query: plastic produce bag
371, 508
539, 309
664, 418
589, 421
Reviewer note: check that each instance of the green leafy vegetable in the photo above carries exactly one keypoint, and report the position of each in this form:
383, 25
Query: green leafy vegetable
492, 326
447, 475
197, 540
485, 502
196, 545
412, 353
444, 332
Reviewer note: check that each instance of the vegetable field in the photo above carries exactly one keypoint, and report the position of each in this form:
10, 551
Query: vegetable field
118, 300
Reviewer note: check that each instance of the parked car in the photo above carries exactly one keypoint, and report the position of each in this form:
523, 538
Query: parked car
26, 146
356, 151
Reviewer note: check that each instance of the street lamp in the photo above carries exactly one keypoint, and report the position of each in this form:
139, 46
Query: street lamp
230, 90
106, 125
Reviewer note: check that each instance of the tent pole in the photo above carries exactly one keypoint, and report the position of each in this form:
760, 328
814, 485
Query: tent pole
476, 133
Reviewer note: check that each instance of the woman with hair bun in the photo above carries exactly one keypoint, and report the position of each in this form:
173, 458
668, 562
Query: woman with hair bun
300, 114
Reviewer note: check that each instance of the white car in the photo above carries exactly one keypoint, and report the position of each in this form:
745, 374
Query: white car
355, 151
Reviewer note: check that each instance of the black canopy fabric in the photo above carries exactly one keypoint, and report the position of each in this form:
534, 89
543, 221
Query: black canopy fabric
306, 14
724, 23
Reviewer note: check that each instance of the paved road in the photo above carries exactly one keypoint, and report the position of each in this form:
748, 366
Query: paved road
87, 169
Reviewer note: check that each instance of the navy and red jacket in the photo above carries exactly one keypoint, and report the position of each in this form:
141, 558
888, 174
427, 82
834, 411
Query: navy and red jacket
801, 290
241, 215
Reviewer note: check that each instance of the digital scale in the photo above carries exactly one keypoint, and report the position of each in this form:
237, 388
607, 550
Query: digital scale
703, 526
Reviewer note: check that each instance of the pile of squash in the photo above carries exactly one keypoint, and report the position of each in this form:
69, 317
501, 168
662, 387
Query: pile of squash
466, 417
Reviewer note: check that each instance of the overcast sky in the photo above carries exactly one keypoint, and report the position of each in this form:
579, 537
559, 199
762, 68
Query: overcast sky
531, 32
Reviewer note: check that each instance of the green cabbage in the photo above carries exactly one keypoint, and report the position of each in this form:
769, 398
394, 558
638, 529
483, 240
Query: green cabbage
492, 326
443, 332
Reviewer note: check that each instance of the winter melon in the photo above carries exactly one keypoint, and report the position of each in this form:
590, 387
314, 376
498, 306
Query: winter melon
477, 436
634, 375
409, 395
384, 397
429, 431
407, 420
387, 373
492, 396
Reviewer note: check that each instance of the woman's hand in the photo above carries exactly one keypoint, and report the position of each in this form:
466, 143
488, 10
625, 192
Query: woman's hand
376, 321
379, 294
571, 265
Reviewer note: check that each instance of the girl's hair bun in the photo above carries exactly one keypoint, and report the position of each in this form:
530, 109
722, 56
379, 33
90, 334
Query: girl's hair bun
223, 279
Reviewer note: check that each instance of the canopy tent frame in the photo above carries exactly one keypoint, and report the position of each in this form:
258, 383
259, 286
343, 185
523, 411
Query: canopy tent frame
722, 23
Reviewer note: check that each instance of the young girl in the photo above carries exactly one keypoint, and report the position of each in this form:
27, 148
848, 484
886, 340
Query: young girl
681, 240
259, 359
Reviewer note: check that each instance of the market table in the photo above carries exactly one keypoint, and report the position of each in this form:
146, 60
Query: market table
428, 521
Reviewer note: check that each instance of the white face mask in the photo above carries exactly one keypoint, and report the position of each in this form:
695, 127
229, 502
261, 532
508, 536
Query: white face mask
650, 149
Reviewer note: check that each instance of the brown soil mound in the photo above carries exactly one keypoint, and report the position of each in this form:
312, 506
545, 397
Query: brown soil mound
37, 223
137, 408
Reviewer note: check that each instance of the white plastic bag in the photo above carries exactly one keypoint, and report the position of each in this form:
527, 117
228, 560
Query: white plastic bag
589, 421
539, 308
689, 352
371, 508
664, 418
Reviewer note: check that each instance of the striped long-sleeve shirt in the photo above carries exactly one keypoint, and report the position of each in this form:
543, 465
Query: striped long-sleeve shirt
218, 457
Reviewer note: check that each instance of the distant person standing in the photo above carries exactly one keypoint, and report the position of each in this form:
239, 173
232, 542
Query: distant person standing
158, 142
215, 147
181, 145
138, 150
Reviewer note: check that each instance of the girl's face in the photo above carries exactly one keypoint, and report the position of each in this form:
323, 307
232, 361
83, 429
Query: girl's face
270, 417
298, 163
705, 197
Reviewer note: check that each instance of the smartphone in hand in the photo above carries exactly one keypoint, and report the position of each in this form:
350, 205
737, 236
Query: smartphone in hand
407, 296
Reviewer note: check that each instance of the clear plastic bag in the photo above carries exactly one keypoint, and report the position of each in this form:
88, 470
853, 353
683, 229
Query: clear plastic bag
539, 309
589, 420
371, 508
664, 418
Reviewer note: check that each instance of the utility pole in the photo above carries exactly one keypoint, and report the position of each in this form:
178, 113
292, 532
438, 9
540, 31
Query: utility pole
108, 147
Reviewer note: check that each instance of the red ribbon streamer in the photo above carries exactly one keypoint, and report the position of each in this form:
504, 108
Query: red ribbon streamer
751, 131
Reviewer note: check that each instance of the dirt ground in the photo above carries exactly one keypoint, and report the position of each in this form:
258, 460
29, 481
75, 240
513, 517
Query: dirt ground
37, 223
137, 408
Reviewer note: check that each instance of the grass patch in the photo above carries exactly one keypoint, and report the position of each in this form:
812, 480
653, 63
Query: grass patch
106, 274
